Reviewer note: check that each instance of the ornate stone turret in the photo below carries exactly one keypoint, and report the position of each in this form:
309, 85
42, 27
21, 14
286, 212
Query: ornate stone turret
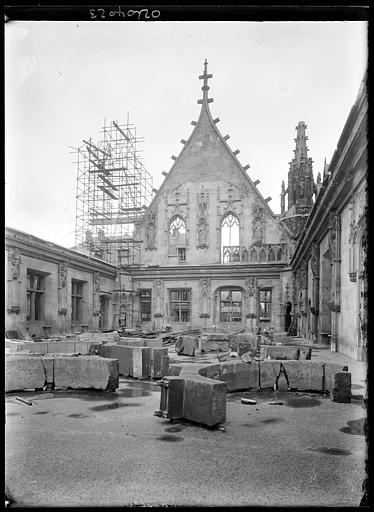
300, 175
301, 186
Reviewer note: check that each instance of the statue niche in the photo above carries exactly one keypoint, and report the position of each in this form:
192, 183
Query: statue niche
202, 224
150, 231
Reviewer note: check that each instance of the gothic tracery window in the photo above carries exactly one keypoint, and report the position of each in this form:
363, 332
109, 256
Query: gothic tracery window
177, 226
230, 238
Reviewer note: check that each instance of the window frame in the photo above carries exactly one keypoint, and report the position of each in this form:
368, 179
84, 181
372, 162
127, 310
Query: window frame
148, 310
77, 300
230, 315
180, 301
267, 310
35, 296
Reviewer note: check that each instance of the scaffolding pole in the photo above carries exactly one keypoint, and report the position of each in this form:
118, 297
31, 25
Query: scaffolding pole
113, 192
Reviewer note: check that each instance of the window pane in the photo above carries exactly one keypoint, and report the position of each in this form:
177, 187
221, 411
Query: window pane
236, 295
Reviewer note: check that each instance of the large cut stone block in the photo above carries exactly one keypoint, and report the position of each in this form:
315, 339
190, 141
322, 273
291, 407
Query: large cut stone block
207, 345
305, 353
175, 370
86, 372
341, 391
61, 347
94, 337
281, 352
243, 339
23, 372
141, 362
123, 354
216, 336
269, 372
153, 342
171, 399
330, 370
39, 347
159, 360
131, 342
109, 337
304, 375
186, 345
243, 349
204, 401
254, 374
236, 375
86, 347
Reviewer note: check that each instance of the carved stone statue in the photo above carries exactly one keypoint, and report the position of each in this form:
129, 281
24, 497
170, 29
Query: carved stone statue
314, 261
202, 232
204, 286
96, 282
250, 286
158, 287
62, 274
14, 260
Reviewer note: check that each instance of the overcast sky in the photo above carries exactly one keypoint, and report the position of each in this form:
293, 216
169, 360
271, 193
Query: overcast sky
64, 78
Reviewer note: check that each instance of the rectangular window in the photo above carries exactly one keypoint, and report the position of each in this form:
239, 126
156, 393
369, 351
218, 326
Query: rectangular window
76, 300
230, 305
145, 305
35, 295
180, 305
264, 305
181, 251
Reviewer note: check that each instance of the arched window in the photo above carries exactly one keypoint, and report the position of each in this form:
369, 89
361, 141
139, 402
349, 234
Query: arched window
271, 254
279, 254
262, 255
230, 238
177, 226
253, 256
177, 238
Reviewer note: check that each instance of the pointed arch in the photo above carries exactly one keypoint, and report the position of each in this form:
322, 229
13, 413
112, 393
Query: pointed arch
271, 254
230, 238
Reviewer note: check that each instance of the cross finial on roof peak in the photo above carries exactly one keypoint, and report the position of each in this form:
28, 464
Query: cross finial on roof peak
205, 76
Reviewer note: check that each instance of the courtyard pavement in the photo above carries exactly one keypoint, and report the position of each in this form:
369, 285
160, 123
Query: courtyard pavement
108, 449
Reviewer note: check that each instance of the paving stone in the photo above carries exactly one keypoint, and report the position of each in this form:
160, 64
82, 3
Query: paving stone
86, 372
141, 363
330, 370
341, 391
23, 372
269, 371
159, 361
280, 352
304, 375
204, 401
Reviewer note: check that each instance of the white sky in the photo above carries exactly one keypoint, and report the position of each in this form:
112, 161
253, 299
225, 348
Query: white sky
62, 79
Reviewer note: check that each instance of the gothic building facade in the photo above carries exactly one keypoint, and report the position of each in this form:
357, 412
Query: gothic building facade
214, 254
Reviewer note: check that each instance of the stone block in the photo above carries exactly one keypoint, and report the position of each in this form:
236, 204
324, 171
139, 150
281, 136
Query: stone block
281, 352
61, 347
341, 390
23, 372
244, 349
186, 345
204, 401
123, 354
86, 372
305, 353
175, 370
224, 357
330, 370
216, 336
153, 342
171, 399
131, 343
304, 375
268, 373
141, 362
244, 338
206, 345
236, 375
37, 347
109, 337
159, 361
94, 337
